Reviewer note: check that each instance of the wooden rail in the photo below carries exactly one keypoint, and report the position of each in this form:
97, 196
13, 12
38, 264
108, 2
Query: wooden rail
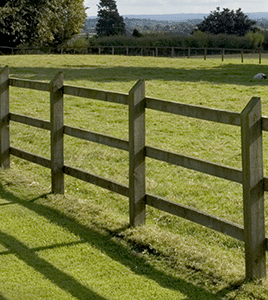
251, 176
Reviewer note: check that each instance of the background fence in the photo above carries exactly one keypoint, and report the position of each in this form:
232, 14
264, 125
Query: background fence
137, 50
251, 176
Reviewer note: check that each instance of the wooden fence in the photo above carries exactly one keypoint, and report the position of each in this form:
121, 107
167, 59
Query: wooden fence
251, 176
138, 50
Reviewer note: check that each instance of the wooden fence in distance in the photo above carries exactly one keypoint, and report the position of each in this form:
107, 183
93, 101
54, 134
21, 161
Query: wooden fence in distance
138, 51
251, 176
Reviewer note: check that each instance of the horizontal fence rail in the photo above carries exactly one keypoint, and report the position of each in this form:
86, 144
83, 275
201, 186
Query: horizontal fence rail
193, 111
138, 151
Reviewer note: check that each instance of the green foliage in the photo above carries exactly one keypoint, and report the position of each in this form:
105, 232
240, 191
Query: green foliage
197, 40
136, 33
109, 21
38, 23
265, 43
256, 38
227, 22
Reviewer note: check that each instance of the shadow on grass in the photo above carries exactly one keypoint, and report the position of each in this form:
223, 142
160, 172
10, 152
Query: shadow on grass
100, 240
2, 297
224, 74
59, 278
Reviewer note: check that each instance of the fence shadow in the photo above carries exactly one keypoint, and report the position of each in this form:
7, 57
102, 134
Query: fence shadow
2, 297
59, 278
100, 240
238, 74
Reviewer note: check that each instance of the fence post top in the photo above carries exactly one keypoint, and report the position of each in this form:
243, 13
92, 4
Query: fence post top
252, 103
6, 68
139, 84
57, 82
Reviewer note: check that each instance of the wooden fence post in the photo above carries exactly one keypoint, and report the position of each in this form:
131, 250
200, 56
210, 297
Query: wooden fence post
253, 190
172, 52
189, 52
222, 55
205, 54
242, 56
4, 119
137, 206
260, 57
56, 119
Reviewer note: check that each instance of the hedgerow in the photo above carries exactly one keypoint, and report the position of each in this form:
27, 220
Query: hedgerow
197, 40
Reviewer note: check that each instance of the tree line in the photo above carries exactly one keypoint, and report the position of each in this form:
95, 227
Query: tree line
53, 22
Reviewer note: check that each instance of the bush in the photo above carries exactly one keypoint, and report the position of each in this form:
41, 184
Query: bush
256, 39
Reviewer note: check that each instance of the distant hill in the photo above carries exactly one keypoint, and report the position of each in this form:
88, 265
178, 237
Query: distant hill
173, 17
182, 24
189, 16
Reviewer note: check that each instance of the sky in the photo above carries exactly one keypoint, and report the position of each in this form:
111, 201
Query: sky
160, 7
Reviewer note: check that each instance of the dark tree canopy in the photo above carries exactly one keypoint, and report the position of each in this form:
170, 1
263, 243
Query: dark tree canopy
227, 22
109, 20
40, 22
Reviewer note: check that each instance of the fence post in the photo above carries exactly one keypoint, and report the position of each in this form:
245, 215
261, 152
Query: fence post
156, 52
222, 55
137, 206
253, 189
4, 119
260, 57
56, 119
172, 52
189, 52
205, 54
242, 56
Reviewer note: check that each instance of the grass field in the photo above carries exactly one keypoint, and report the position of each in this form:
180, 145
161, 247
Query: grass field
79, 246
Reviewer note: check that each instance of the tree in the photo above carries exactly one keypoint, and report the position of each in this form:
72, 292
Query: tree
136, 33
227, 22
109, 20
40, 22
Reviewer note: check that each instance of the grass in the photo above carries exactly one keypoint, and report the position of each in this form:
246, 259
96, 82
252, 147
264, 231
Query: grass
79, 246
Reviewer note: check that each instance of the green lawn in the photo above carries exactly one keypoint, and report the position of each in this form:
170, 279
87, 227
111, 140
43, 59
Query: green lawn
79, 246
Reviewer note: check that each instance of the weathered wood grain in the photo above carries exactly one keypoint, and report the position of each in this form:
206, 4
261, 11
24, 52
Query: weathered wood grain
194, 111
137, 207
97, 138
4, 119
42, 161
253, 190
29, 84
56, 121
30, 121
97, 180
195, 164
96, 94
194, 215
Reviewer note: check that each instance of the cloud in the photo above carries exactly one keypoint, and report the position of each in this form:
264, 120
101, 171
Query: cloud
138, 7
